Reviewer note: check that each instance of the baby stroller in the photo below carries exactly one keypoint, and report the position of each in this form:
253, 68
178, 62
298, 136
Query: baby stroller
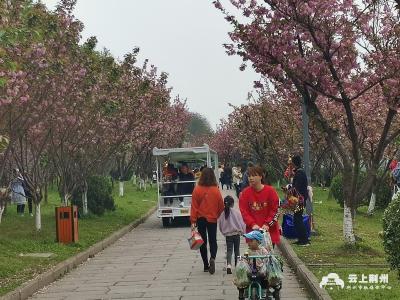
259, 288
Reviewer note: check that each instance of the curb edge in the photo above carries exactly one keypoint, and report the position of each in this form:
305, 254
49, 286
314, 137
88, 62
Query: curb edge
30, 287
303, 273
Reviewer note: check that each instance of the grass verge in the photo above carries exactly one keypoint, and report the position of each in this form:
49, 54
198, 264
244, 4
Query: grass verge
18, 235
328, 248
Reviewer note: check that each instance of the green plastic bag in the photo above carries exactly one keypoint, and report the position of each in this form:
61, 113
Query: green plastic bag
242, 271
274, 267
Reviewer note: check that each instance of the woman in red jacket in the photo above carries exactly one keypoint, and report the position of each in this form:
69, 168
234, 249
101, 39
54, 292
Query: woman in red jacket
207, 205
259, 204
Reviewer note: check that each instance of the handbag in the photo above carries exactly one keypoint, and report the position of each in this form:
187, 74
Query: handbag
195, 240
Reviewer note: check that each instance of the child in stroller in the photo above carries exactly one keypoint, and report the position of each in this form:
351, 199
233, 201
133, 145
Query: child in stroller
257, 258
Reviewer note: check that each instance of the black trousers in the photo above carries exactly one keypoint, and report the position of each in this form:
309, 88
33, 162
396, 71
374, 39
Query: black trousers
300, 227
232, 245
30, 205
207, 229
20, 208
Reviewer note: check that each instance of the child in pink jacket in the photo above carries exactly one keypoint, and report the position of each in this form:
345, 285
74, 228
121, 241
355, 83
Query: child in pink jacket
231, 225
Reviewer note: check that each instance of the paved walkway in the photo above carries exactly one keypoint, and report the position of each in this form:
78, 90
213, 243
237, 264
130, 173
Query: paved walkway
154, 263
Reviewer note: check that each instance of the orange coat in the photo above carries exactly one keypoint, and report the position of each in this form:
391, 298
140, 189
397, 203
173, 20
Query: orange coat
207, 202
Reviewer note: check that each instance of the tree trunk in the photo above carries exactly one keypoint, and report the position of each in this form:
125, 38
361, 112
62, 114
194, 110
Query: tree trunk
66, 198
46, 193
121, 188
2, 208
372, 202
84, 202
38, 217
348, 229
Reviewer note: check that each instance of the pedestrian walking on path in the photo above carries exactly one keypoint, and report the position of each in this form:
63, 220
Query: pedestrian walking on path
231, 225
259, 205
207, 206
227, 177
245, 181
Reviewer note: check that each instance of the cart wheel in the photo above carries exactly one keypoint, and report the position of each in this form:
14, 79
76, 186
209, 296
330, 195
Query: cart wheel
166, 221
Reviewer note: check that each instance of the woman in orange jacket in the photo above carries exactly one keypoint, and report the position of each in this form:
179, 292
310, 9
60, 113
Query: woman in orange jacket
207, 205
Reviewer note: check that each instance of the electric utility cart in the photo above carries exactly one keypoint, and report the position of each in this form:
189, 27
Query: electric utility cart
178, 170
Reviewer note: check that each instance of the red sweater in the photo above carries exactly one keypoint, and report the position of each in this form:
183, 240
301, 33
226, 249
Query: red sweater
207, 202
261, 208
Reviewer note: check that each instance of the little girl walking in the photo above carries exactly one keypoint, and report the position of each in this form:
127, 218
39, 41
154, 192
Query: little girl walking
231, 225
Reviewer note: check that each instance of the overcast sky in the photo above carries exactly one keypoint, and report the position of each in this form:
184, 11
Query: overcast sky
181, 37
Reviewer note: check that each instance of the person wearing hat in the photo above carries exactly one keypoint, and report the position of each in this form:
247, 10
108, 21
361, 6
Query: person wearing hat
259, 205
254, 240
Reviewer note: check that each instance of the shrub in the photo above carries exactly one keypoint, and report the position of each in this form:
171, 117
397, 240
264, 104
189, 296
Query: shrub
272, 174
337, 189
99, 196
391, 233
383, 192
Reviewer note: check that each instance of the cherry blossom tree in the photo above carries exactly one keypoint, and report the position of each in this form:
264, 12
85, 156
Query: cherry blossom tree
336, 51
67, 108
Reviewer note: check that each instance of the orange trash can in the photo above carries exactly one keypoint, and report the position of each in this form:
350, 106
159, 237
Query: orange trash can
67, 224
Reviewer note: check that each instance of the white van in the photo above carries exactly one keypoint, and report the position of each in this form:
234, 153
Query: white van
172, 203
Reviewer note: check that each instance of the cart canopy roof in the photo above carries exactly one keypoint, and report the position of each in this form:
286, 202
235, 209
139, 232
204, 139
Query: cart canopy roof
185, 154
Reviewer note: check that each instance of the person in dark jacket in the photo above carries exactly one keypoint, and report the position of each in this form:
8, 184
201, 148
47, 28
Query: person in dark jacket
227, 177
300, 183
185, 188
245, 181
28, 196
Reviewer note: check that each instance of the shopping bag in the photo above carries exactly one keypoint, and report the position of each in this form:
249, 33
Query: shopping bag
195, 240
242, 272
267, 242
293, 201
288, 228
274, 270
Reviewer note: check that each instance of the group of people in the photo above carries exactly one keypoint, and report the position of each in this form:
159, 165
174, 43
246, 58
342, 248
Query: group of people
225, 176
258, 205
258, 210
236, 176
178, 182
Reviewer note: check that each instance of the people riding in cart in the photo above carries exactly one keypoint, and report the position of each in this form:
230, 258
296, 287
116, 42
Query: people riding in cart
186, 187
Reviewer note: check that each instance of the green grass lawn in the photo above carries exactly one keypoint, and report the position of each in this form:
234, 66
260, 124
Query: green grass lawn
328, 247
18, 235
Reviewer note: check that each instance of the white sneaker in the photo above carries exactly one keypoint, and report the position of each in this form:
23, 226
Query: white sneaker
181, 204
